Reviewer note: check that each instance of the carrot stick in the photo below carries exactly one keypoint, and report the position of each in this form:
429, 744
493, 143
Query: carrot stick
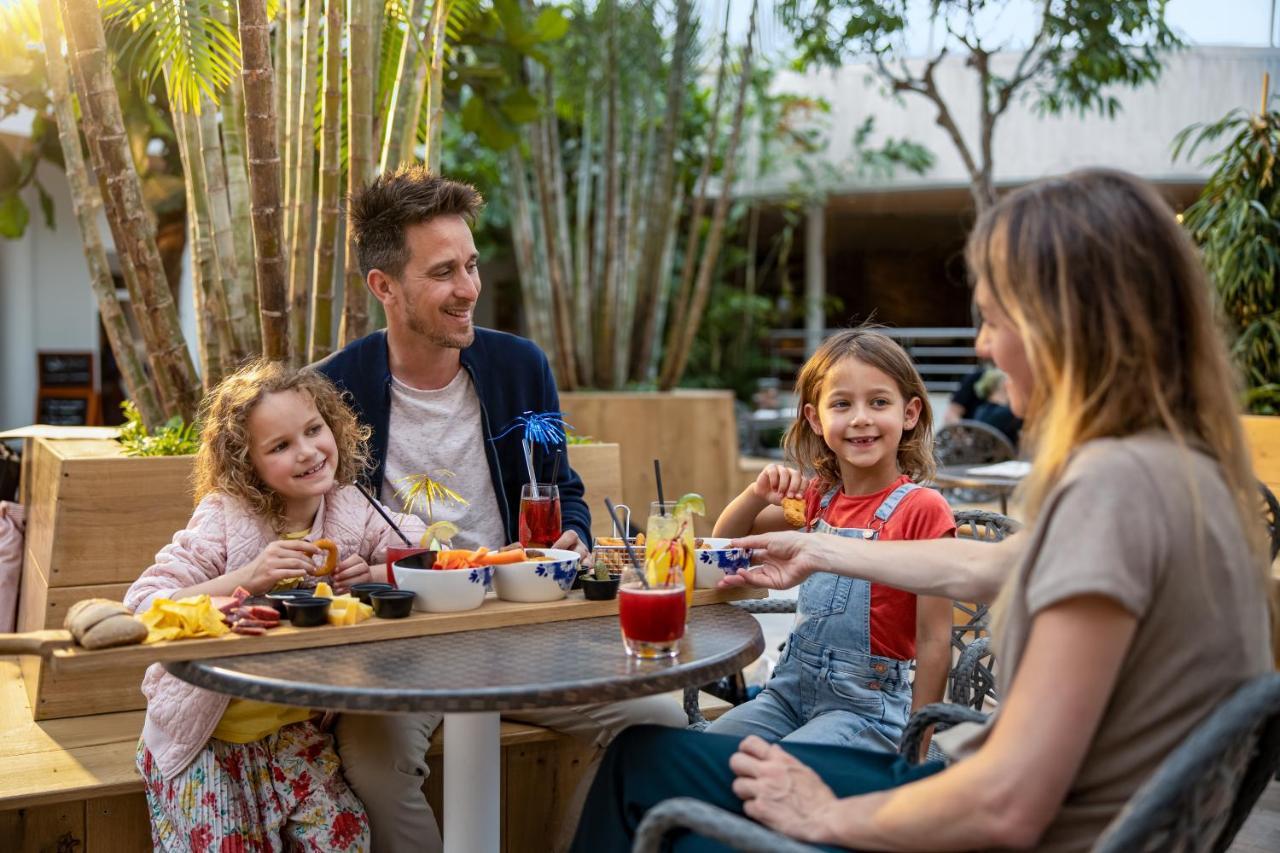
503, 558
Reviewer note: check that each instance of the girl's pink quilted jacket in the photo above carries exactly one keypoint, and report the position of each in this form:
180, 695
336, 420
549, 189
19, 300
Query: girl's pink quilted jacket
222, 536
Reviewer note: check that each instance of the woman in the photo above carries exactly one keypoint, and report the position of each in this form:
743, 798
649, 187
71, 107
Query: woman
1142, 524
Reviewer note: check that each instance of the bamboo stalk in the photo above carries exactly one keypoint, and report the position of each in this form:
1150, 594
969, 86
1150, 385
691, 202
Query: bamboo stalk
304, 190
233, 148
607, 324
355, 306
264, 178
330, 186
221, 233
582, 301
132, 226
402, 93
675, 361
659, 208
435, 91
409, 135
293, 14
535, 308
87, 204
217, 344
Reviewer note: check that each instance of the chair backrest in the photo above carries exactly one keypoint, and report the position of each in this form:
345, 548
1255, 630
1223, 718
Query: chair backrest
984, 526
1271, 512
1202, 792
971, 442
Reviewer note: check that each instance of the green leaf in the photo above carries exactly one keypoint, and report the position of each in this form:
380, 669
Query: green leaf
550, 25
521, 106
13, 216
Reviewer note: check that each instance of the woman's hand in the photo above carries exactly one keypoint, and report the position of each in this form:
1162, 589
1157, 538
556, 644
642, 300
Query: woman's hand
777, 482
284, 559
786, 559
351, 571
779, 791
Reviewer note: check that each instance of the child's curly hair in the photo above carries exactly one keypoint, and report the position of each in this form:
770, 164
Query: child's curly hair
809, 451
223, 463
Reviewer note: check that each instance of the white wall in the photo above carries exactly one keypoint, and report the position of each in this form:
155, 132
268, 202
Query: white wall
45, 299
1197, 85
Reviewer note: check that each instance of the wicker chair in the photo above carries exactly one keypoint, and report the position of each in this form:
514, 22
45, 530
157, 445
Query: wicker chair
971, 443
1197, 799
975, 670
1271, 512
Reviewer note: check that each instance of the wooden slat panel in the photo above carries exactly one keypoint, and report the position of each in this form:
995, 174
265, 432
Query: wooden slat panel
107, 688
20, 734
693, 433
42, 476
44, 777
492, 614
33, 595
62, 597
1263, 435
119, 824
600, 467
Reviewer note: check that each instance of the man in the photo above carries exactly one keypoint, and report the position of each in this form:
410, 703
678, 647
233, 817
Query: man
438, 393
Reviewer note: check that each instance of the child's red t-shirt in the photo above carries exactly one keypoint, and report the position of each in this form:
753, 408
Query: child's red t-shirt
922, 514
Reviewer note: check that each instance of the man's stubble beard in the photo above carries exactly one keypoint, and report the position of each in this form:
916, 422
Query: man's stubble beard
438, 338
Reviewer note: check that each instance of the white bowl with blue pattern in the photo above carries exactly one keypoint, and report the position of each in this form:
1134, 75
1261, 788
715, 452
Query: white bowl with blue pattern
715, 559
537, 580
444, 590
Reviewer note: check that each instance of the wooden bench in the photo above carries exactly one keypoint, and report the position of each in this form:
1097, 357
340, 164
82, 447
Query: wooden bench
72, 781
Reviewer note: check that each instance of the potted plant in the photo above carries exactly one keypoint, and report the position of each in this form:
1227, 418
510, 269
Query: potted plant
600, 585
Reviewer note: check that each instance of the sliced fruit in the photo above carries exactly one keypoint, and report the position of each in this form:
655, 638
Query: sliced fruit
323, 590
439, 533
691, 503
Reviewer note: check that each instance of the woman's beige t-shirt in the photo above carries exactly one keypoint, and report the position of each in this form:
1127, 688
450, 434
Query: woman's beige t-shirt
1154, 528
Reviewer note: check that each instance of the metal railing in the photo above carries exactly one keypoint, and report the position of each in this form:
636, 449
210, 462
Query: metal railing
943, 354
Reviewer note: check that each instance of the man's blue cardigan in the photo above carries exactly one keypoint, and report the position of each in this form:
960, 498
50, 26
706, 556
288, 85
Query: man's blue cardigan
511, 377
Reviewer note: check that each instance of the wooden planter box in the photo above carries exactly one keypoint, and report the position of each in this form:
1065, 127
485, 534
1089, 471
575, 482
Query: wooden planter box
95, 520
693, 432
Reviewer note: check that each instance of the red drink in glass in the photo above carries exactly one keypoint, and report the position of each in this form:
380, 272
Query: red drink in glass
539, 515
395, 555
652, 620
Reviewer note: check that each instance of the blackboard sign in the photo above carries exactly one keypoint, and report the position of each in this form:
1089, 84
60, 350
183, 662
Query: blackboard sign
63, 411
66, 369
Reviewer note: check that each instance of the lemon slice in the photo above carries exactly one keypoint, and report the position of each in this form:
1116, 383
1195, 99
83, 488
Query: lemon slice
440, 532
691, 503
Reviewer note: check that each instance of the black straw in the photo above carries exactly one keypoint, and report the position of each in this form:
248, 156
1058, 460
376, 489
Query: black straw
555, 468
382, 512
657, 475
631, 554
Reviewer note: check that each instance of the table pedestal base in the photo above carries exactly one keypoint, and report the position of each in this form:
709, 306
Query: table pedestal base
472, 783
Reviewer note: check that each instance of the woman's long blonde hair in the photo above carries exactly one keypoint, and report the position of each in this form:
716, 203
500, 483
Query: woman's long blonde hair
809, 451
1115, 312
223, 463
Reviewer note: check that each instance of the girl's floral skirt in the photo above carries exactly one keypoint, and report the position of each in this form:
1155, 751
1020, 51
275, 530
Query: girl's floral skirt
284, 792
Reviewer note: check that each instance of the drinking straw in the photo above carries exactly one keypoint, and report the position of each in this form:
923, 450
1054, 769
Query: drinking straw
382, 512
528, 463
631, 554
555, 468
657, 475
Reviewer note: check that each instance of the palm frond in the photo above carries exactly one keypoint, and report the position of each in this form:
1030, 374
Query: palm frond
19, 24
182, 39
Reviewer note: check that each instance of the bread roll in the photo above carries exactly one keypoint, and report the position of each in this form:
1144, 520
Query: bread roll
98, 623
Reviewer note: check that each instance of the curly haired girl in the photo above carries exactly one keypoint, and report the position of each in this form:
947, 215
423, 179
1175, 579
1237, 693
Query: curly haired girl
279, 455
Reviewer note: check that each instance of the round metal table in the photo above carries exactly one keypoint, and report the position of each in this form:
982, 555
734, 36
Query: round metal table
472, 677
963, 477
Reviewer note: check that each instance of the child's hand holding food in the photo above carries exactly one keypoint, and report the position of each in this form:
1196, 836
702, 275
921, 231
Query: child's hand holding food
777, 483
351, 570
284, 559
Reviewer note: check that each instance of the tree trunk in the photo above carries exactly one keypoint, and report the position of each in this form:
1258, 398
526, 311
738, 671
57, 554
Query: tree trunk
292, 31
330, 186
233, 147
132, 225
87, 204
607, 321
304, 189
648, 284
264, 178
355, 305
537, 308
691, 316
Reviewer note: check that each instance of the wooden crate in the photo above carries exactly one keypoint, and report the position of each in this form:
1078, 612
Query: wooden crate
600, 467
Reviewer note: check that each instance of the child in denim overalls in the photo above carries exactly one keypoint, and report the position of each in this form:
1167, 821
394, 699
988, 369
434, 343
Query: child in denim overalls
864, 428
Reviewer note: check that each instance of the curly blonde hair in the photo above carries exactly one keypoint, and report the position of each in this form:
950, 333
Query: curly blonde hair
223, 463
809, 451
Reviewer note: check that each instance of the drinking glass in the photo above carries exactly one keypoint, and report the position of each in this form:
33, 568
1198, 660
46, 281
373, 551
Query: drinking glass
396, 554
539, 515
651, 614
669, 545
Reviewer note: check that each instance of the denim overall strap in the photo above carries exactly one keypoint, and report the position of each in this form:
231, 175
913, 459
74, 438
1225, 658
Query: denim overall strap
891, 503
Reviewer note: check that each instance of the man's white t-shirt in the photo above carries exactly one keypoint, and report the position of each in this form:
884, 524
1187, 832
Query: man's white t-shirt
439, 434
